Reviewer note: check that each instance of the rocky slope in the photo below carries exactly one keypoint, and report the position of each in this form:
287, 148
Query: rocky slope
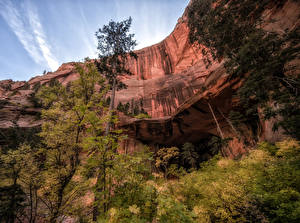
170, 82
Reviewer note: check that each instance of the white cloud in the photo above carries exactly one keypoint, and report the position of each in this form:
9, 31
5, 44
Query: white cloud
25, 23
89, 40
41, 38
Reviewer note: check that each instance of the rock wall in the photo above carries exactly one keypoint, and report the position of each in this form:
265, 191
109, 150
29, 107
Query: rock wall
170, 82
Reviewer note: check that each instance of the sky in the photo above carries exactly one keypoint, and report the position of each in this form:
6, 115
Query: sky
38, 35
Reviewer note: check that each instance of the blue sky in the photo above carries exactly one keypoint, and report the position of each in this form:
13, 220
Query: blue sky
38, 35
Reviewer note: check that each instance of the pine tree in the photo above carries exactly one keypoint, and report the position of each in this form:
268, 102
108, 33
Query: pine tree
115, 45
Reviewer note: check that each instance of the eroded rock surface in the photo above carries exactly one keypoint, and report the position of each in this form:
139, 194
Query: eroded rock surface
170, 82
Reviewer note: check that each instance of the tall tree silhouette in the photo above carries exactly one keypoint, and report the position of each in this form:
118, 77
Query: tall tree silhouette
115, 47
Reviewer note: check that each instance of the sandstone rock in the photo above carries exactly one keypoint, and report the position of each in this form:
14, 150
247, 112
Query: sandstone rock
170, 82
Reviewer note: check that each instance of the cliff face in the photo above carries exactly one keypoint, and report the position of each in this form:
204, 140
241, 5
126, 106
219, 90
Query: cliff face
170, 82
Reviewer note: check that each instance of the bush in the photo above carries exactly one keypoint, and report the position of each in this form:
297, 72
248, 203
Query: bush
261, 187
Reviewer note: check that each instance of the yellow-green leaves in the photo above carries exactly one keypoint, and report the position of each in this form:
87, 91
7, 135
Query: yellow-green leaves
72, 121
164, 157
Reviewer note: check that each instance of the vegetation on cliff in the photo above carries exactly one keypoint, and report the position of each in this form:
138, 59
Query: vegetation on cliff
234, 31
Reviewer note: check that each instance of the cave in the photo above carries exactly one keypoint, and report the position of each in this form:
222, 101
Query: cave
193, 123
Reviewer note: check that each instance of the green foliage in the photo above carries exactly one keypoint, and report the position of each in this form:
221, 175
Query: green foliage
134, 198
100, 164
279, 183
189, 154
261, 187
222, 26
20, 173
136, 112
115, 43
142, 116
12, 195
36, 86
164, 159
216, 143
231, 30
124, 108
67, 121
50, 94
120, 107
34, 100
170, 210
15, 136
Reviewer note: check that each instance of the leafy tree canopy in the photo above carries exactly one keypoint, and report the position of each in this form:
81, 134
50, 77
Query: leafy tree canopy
233, 31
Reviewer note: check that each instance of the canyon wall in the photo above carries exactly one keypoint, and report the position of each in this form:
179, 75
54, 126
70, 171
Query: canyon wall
170, 82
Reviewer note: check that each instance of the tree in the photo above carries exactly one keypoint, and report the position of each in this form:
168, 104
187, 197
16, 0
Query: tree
100, 161
133, 199
232, 30
189, 154
66, 124
164, 158
21, 176
12, 196
115, 45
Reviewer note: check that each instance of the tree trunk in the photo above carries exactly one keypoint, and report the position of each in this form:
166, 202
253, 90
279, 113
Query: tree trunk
31, 203
218, 126
229, 122
60, 192
240, 136
216, 121
35, 205
99, 177
111, 107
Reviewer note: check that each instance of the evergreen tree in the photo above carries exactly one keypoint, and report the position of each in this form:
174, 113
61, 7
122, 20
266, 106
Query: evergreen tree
115, 45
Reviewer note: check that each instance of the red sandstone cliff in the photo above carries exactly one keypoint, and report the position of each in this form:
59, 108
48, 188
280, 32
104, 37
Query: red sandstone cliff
171, 81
